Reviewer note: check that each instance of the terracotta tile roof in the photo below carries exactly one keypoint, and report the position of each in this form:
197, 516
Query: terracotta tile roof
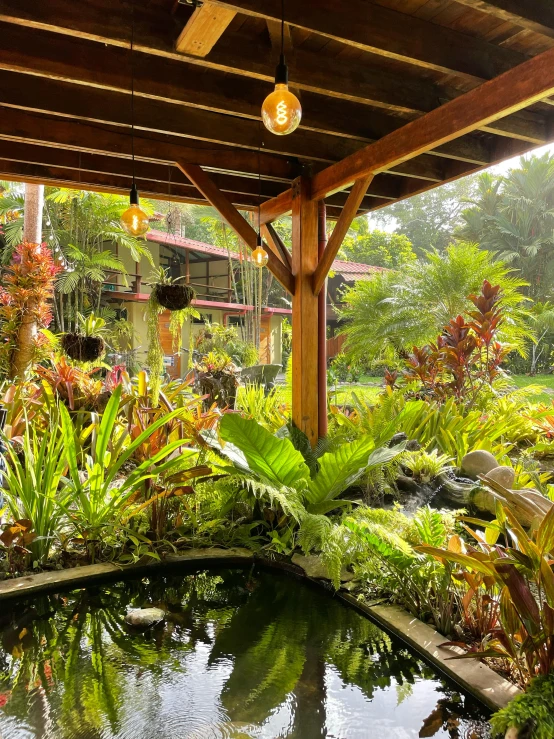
349, 271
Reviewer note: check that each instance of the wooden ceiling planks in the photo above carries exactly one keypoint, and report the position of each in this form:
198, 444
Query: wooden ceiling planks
361, 77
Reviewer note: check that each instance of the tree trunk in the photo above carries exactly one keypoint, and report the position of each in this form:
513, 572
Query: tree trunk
32, 233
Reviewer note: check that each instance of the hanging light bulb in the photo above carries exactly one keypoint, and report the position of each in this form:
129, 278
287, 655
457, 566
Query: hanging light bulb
134, 220
259, 255
281, 110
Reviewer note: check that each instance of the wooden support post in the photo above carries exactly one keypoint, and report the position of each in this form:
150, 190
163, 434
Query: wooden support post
305, 407
322, 324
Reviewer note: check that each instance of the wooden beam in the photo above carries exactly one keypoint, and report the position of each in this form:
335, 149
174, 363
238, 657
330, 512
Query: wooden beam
534, 15
271, 235
17, 125
235, 220
204, 28
513, 90
276, 207
389, 33
68, 78
109, 182
305, 406
334, 243
361, 81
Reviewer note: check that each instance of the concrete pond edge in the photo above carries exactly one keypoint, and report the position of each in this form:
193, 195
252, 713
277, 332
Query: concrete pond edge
473, 677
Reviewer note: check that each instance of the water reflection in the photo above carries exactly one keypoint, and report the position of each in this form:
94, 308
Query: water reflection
241, 654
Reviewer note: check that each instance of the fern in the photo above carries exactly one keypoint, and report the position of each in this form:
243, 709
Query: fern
318, 533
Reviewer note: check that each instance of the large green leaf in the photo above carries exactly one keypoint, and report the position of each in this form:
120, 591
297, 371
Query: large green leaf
274, 459
340, 469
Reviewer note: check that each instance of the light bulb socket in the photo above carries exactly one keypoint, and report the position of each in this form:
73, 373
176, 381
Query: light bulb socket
259, 240
133, 195
282, 72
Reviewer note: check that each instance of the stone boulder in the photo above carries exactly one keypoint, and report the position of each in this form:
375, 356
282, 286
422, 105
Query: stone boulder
314, 567
144, 618
504, 476
477, 463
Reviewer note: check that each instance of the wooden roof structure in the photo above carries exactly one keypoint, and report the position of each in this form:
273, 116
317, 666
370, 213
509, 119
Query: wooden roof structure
398, 96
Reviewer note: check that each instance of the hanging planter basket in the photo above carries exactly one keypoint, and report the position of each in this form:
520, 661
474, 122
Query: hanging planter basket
173, 297
82, 348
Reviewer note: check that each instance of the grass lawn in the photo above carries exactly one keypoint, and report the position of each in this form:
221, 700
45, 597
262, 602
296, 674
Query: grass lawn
545, 382
370, 387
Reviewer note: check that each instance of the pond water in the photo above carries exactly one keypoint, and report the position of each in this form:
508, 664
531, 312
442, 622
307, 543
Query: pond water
242, 653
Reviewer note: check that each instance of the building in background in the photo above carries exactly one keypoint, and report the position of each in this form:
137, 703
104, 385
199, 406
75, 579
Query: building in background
211, 271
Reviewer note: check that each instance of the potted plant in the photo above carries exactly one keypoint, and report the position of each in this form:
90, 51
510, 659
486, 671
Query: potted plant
86, 343
166, 295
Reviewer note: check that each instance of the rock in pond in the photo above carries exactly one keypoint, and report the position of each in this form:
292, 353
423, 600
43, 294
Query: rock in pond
504, 476
143, 618
478, 462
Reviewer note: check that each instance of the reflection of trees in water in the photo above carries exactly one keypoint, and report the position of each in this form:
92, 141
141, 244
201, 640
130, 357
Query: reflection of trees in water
278, 635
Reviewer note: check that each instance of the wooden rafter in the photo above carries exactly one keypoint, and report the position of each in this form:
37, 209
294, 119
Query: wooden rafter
236, 221
534, 15
389, 33
68, 77
204, 28
530, 82
340, 230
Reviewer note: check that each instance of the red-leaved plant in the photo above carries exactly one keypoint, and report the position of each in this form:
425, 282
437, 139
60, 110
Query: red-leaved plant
28, 286
467, 355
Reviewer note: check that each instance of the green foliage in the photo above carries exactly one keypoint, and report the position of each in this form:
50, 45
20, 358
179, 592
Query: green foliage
395, 311
266, 408
520, 570
31, 482
532, 711
377, 248
97, 499
514, 216
425, 466
225, 340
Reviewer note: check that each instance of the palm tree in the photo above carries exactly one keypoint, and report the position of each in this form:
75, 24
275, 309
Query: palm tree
543, 324
514, 216
394, 311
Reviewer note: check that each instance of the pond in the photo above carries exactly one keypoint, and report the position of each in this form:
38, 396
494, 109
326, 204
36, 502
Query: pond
242, 653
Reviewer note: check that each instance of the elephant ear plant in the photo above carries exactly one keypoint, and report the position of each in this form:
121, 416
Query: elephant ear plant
166, 294
269, 470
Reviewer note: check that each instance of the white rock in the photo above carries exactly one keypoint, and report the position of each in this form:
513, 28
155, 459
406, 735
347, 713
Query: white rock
478, 462
504, 476
145, 617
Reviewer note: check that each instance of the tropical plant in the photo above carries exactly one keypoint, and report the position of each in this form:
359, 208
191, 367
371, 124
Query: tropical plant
531, 713
394, 311
466, 358
425, 466
28, 286
513, 215
181, 310
32, 482
377, 248
521, 571
393, 566
266, 408
225, 340
98, 491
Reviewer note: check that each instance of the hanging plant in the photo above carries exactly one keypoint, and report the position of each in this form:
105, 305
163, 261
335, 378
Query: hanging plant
165, 295
86, 344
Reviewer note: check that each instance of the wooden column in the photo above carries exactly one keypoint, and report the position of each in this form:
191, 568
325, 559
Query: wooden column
305, 406
322, 324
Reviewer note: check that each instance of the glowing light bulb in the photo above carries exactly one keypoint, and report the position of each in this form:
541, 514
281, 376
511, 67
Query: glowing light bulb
134, 220
281, 110
259, 255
